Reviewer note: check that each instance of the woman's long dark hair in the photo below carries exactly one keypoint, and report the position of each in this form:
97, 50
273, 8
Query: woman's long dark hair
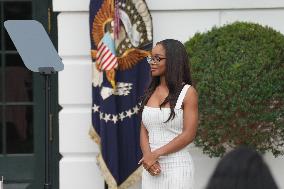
177, 74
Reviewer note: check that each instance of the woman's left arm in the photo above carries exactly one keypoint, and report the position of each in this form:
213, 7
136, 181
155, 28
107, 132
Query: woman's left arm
190, 122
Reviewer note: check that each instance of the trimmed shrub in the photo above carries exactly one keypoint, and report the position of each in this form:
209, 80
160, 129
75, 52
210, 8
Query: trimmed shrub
238, 70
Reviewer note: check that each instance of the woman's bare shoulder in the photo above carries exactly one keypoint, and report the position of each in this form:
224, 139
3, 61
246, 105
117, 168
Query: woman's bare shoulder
191, 95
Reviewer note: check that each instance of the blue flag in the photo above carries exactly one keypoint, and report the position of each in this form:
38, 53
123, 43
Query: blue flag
121, 37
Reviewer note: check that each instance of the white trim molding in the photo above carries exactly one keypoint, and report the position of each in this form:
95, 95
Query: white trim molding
157, 5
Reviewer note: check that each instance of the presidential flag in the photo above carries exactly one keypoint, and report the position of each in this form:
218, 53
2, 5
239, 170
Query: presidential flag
121, 37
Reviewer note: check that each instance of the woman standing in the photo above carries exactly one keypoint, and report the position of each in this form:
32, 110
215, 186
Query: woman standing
169, 119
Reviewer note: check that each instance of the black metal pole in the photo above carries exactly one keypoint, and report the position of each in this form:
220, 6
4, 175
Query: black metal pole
48, 134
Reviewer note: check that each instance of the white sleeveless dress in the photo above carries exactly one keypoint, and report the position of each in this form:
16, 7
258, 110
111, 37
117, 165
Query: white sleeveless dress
177, 168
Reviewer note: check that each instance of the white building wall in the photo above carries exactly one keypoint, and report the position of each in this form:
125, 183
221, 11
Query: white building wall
179, 20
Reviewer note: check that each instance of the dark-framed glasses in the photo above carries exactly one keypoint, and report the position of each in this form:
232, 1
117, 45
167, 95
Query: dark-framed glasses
154, 59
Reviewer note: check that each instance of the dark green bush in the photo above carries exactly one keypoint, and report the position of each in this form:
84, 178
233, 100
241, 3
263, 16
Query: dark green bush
238, 70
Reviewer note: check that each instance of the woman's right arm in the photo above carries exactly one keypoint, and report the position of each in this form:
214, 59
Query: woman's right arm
144, 140
154, 168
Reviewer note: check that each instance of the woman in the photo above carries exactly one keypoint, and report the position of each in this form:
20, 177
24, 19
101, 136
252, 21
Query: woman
169, 119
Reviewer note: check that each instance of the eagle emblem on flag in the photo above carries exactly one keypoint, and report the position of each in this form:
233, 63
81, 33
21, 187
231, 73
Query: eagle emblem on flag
117, 46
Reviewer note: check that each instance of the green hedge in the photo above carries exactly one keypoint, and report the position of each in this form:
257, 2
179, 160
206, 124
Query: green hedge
238, 70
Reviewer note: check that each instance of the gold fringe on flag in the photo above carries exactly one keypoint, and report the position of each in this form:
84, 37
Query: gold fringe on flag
132, 179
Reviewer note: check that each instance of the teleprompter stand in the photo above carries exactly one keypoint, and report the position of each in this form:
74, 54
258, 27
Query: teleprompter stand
39, 55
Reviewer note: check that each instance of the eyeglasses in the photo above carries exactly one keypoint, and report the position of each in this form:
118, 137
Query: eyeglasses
154, 59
